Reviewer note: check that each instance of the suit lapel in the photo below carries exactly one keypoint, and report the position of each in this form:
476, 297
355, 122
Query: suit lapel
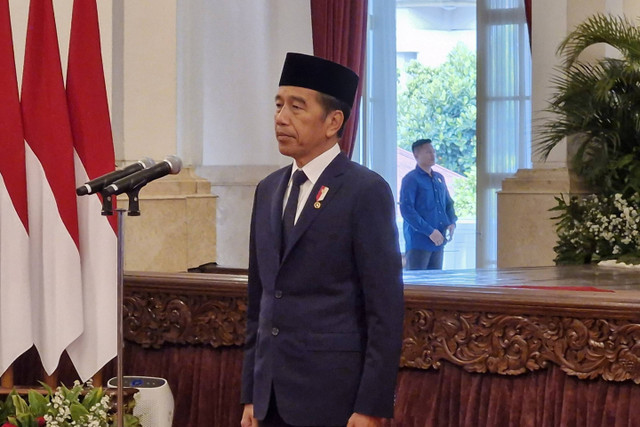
331, 178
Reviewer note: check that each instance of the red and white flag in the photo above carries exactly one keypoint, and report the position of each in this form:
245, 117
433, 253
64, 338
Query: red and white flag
15, 294
93, 142
56, 283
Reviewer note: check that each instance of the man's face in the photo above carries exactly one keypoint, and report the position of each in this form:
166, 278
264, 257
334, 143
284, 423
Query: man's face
425, 155
303, 130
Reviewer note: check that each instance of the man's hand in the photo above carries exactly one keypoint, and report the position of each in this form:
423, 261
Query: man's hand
247, 417
437, 237
360, 420
450, 229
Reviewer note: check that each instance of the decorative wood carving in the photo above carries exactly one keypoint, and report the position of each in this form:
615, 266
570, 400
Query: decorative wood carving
510, 344
185, 309
151, 319
481, 329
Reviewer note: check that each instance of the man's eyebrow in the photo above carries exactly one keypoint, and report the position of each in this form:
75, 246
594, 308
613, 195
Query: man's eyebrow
293, 98
299, 99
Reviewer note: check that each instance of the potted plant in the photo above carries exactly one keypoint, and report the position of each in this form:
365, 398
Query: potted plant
596, 106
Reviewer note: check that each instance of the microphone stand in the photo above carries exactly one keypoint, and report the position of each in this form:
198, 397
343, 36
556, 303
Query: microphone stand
133, 210
174, 164
120, 298
171, 164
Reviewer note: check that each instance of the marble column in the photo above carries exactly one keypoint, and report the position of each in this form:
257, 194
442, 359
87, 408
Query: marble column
176, 229
526, 230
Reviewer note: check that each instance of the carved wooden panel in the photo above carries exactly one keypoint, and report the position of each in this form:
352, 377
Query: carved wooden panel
482, 329
151, 319
184, 314
511, 344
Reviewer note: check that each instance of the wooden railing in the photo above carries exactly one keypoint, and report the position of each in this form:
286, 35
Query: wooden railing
587, 333
454, 318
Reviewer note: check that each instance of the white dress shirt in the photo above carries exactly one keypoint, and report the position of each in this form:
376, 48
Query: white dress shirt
313, 170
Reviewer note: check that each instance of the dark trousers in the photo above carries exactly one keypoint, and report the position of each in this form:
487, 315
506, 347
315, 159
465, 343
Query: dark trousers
273, 418
416, 259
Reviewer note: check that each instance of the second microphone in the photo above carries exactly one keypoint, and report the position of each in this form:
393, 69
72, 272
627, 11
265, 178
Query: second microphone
137, 180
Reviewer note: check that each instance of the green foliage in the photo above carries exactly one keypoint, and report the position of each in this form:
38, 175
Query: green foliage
17, 411
465, 199
38, 403
597, 105
6, 408
440, 103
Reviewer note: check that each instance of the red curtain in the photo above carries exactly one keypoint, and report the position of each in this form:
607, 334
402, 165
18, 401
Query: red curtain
452, 397
527, 10
339, 30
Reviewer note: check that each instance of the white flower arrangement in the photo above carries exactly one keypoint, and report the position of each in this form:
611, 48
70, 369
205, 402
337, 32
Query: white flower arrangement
62, 402
597, 227
82, 405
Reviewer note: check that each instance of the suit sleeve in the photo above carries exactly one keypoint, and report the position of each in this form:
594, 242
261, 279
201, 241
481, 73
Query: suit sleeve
379, 267
253, 311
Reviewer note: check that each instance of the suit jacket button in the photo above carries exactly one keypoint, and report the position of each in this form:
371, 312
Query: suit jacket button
278, 294
275, 331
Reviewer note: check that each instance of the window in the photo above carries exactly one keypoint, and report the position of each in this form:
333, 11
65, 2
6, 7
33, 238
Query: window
503, 96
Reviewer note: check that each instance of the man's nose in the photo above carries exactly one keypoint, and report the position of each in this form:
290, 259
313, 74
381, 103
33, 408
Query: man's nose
282, 116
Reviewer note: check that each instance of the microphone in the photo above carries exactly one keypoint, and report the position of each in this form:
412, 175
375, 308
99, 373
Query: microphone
137, 180
96, 185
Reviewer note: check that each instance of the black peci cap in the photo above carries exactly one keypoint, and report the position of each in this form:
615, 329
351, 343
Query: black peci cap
321, 75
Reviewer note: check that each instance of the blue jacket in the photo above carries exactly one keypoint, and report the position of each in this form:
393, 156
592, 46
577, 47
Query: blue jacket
425, 205
324, 322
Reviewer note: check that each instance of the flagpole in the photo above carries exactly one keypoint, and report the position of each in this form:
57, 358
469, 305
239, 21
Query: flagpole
120, 298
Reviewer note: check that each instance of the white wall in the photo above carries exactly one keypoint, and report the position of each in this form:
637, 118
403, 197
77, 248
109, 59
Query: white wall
231, 62
230, 54
549, 19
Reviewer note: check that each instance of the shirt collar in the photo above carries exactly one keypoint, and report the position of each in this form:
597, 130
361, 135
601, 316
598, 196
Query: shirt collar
431, 175
315, 167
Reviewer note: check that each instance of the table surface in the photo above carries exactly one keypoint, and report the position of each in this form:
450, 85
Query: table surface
592, 277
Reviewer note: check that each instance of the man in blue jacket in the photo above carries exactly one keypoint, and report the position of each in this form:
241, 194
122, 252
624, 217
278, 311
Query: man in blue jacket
325, 313
427, 210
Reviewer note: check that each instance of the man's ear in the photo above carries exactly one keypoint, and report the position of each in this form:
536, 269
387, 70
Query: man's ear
334, 122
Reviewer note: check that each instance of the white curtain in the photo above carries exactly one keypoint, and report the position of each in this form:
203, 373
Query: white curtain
504, 111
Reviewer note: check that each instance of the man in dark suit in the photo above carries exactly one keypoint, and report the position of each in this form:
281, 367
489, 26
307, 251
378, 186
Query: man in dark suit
324, 327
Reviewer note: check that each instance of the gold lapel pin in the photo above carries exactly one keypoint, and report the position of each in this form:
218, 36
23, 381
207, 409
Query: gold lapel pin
320, 196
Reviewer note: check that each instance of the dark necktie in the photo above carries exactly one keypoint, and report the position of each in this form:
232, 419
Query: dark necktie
290, 209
